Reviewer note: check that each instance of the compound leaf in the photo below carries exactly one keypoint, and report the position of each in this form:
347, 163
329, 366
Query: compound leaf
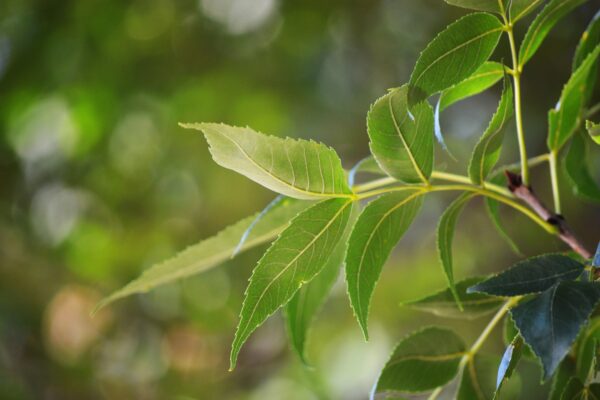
296, 168
553, 12
487, 150
550, 322
379, 227
401, 140
533, 275
454, 54
294, 259
422, 361
213, 251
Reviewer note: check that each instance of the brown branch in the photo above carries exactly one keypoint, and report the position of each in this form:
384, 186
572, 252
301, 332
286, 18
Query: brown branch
526, 194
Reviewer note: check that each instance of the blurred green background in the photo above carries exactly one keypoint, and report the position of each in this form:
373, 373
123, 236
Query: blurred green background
97, 182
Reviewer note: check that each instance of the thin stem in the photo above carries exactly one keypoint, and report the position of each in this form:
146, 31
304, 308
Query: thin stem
592, 110
518, 112
533, 162
554, 179
434, 395
374, 184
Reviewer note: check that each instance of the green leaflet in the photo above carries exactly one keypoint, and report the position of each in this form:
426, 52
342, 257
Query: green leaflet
550, 322
296, 168
487, 150
445, 236
479, 5
565, 119
301, 310
422, 361
533, 275
492, 208
294, 259
443, 304
588, 42
454, 54
478, 380
593, 130
565, 371
402, 146
213, 251
509, 333
483, 78
509, 363
576, 169
541, 26
520, 8
379, 227
586, 350
576, 390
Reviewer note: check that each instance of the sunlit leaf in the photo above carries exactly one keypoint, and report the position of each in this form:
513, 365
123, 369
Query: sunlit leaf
379, 227
487, 150
422, 361
509, 362
483, 78
577, 171
296, 168
454, 54
550, 322
402, 141
553, 12
213, 251
443, 303
565, 118
445, 237
533, 275
478, 380
294, 259
520, 8
593, 130
301, 310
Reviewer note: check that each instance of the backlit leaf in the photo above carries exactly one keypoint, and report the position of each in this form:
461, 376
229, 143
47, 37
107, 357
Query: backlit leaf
296, 168
550, 322
445, 237
565, 118
213, 251
443, 303
487, 150
294, 259
553, 12
379, 227
422, 361
533, 275
455, 54
402, 141
483, 78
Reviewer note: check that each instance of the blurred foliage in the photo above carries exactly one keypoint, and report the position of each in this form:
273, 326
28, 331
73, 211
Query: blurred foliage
97, 182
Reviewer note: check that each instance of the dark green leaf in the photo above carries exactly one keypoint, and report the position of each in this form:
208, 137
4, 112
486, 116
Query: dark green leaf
550, 322
402, 141
510, 332
520, 8
574, 390
443, 303
378, 229
565, 371
483, 78
487, 150
588, 42
294, 259
576, 169
565, 118
542, 24
422, 361
593, 130
307, 301
445, 236
479, 5
296, 168
213, 251
478, 380
509, 362
455, 54
533, 275
586, 351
